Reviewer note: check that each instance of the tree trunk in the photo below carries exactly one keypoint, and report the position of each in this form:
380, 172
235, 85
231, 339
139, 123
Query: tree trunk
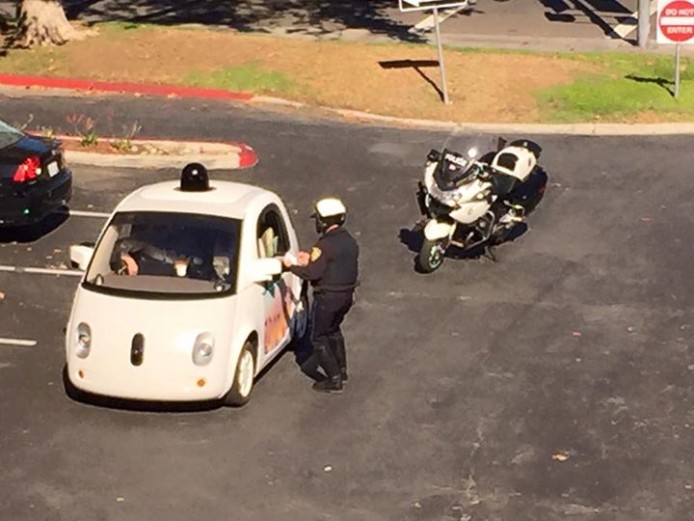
43, 22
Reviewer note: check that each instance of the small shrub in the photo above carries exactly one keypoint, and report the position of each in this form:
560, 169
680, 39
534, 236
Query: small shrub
89, 139
124, 143
85, 127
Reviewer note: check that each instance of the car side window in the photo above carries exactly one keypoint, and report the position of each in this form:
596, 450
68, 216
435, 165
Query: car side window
272, 236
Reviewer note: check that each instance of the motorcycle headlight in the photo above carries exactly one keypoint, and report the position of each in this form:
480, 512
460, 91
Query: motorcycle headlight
203, 349
83, 340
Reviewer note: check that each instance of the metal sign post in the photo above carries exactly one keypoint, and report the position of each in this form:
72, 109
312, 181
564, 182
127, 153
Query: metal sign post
644, 28
677, 70
442, 66
676, 25
424, 5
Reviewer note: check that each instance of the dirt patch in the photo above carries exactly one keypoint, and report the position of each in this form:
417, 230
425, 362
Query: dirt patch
117, 146
398, 80
104, 146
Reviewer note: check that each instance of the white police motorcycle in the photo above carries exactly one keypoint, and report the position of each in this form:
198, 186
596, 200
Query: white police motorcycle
473, 203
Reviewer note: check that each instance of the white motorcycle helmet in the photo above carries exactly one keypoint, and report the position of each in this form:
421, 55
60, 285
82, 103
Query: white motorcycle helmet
328, 212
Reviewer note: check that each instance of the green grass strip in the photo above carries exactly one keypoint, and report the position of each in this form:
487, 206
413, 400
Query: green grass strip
625, 85
249, 77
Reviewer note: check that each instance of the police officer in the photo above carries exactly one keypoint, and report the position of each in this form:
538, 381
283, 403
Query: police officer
332, 268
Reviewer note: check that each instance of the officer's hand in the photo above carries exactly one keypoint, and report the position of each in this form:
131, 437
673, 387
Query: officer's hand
303, 258
128, 265
288, 260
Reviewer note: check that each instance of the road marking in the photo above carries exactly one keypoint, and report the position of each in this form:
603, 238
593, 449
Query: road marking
41, 271
428, 22
17, 342
81, 213
632, 23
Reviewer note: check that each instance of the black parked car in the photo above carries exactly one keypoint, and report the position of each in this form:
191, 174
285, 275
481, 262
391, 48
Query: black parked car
34, 179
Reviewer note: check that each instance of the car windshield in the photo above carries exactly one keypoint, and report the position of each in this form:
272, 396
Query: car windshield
167, 254
8, 135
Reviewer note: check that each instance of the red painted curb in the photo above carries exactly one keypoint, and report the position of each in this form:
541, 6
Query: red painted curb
19, 80
247, 157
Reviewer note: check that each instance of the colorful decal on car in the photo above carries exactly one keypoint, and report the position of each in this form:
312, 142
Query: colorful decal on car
279, 307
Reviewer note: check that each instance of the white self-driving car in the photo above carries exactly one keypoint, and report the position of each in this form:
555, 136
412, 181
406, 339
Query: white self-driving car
183, 296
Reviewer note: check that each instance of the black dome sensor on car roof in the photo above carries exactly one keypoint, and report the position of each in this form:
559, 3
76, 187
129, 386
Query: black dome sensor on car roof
194, 178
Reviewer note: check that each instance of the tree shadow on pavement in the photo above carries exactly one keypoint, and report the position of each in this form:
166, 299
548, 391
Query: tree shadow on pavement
318, 18
7, 31
598, 12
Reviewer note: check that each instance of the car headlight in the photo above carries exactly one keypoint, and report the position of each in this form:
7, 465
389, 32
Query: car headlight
84, 340
203, 350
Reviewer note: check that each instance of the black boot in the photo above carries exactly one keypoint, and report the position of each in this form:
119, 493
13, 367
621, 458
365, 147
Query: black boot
329, 385
333, 383
310, 367
337, 343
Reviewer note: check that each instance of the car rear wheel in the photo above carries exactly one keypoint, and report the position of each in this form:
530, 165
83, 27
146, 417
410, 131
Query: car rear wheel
241, 389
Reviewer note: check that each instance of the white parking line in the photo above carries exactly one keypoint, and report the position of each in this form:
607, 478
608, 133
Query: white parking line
41, 271
17, 342
81, 213
623, 29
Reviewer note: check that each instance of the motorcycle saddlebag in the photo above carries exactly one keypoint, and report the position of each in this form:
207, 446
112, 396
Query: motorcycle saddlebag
530, 192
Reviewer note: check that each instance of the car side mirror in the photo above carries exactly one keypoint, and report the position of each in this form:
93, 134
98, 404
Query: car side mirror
81, 254
263, 270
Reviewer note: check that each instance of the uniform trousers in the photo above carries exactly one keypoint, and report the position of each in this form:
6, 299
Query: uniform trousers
327, 314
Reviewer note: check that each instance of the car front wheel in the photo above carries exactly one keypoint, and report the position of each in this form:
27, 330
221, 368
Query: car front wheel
240, 391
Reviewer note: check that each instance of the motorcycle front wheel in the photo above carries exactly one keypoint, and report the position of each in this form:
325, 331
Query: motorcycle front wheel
431, 256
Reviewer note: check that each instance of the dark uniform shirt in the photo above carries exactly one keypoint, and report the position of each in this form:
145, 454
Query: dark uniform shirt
334, 263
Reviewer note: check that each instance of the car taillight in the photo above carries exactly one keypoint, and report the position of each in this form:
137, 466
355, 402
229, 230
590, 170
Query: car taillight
28, 170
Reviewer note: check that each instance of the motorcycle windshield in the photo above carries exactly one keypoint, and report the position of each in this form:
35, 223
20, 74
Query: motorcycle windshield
453, 170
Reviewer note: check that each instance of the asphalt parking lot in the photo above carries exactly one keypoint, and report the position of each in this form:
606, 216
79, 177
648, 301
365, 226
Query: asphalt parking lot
554, 384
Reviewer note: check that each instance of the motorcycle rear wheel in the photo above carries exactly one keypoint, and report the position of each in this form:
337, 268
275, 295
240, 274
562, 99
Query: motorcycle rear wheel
430, 256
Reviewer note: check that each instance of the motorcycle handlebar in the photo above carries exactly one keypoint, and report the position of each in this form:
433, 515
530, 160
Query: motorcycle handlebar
484, 171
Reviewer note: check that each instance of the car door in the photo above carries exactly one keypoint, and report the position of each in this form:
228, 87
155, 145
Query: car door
277, 294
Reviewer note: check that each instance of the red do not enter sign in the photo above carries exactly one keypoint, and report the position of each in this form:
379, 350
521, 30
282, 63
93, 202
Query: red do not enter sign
676, 21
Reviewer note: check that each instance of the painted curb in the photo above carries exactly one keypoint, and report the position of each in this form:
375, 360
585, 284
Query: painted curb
20, 80
570, 129
575, 129
174, 154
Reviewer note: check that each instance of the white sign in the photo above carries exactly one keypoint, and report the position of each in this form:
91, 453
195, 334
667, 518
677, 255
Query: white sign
425, 5
675, 21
